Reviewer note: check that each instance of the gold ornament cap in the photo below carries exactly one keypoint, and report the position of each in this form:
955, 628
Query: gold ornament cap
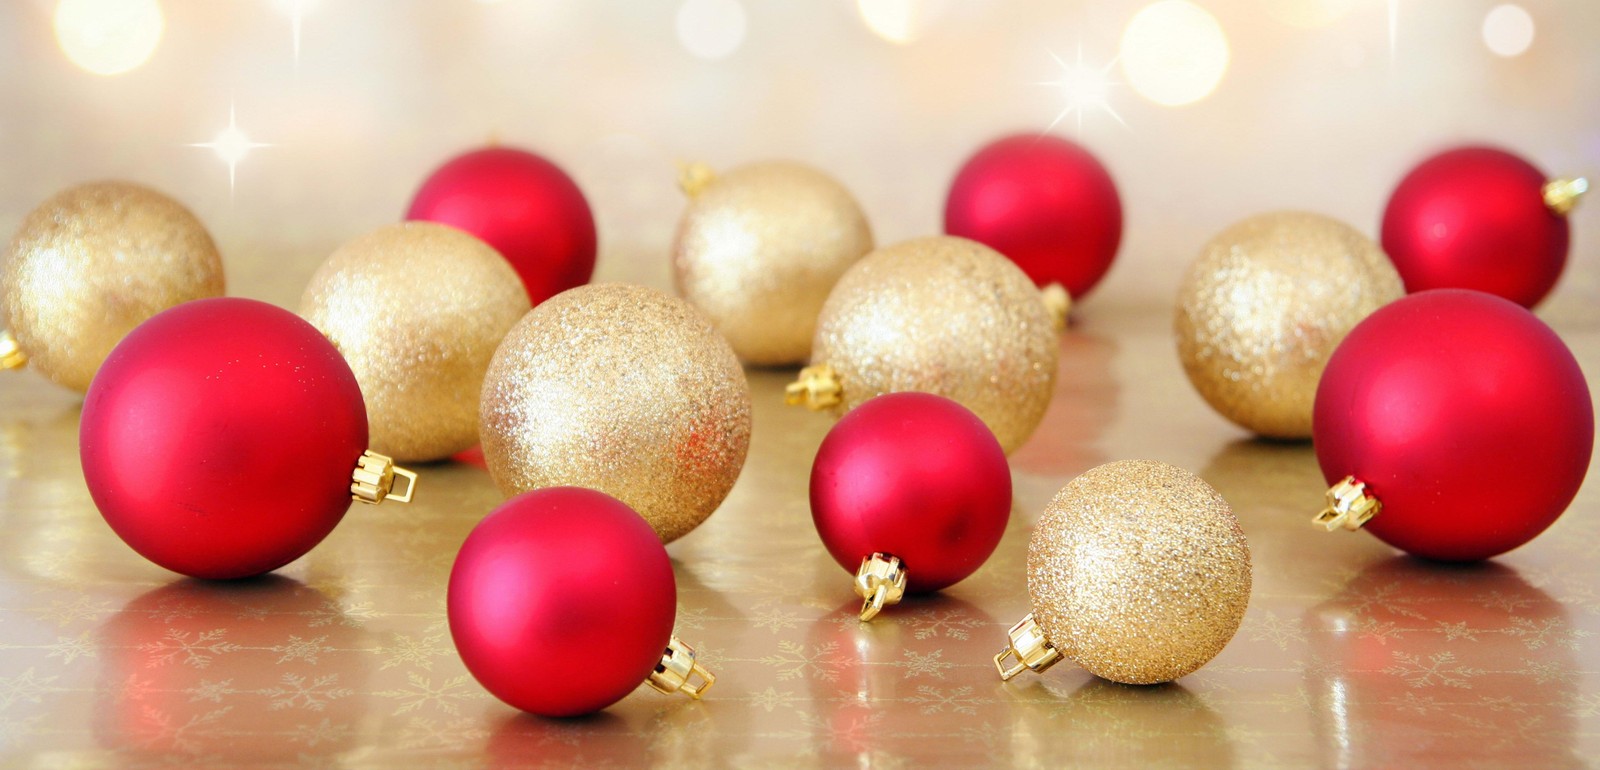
1028, 647
1561, 195
880, 582
373, 480
1059, 302
11, 355
1349, 506
678, 671
817, 388
1139, 572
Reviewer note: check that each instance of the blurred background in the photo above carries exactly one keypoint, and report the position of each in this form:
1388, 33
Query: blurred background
290, 126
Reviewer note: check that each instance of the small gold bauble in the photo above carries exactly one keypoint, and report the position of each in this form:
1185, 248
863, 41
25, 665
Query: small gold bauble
1265, 305
758, 249
417, 309
622, 389
91, 263
948, 316
1139, 572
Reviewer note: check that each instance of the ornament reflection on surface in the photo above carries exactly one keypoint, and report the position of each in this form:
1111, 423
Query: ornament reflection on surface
1068, 439
1104, 724
1411, 655
597, 740
1174, 52
108, 37
267, 668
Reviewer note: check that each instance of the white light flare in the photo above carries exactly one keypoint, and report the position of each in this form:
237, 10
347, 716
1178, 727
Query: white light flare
1086, 89
231, 145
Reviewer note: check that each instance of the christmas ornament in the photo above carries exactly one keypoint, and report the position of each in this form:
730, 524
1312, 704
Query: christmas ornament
1264, 306
940, 315
912, 492
1138, 571
524, 206
1044, 202
759, 248
1453, 425
1480, 218
622, 389
417, 309
591, 612
224, 438
91, 263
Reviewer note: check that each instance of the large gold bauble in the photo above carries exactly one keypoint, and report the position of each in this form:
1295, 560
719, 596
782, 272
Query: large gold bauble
417, 309
622, 389
948, 316
91, 263
1139, 572
758, 250
1265, 305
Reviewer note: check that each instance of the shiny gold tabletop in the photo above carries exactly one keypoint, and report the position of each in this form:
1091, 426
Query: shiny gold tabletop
1349, 656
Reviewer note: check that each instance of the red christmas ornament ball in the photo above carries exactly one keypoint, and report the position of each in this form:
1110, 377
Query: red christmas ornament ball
524, 206
1476, 218
561, 601
219, 437
1467, 418
1044, 202
916, 476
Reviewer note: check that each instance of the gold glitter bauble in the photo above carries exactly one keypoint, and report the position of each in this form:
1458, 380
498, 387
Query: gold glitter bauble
948, 316
758, 250
417, 309
91, 263
1265, 305
1139, 572
622, 389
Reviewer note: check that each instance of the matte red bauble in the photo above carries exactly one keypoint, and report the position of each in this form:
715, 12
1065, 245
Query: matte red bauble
561, 602
521, 204
1480, 218
1453, 424
910, 491
224, 438
1044, 202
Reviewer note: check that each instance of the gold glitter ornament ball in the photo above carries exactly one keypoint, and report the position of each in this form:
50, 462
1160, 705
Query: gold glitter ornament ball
1139, 572
1265, 305
758, 250
622, 389
91, 263
417, 309
948, 316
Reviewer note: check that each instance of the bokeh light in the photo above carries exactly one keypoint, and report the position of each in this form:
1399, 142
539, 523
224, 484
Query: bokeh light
1173, 52
900, 21
1308, 13
108, 37
711, 29
1508, 30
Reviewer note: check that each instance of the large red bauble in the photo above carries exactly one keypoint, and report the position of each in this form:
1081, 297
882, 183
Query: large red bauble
1045, 203
524, 206
561, 601
219, 436
1465, 415
1475, 218
916, 476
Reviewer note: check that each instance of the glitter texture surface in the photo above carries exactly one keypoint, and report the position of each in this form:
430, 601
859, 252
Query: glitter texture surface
758, 250
91, 263
417, 309
1139, 571
948, 316
623, 389
1264, 306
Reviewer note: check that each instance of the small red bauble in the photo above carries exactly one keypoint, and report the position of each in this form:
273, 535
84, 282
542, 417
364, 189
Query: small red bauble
524, 206
1479, 218
561, 602
220, 438
1045, 203
913, 489
1459, 418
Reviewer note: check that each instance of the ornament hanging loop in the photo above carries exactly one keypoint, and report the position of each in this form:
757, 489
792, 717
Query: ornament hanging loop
880, 582
373, 480
1059, 303
817, 388
1349, 506
693, 177
1561, 195
11, 355
677, 669
1029, 647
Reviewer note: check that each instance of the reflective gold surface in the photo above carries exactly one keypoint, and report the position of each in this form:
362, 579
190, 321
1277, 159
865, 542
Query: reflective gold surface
1349, 656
